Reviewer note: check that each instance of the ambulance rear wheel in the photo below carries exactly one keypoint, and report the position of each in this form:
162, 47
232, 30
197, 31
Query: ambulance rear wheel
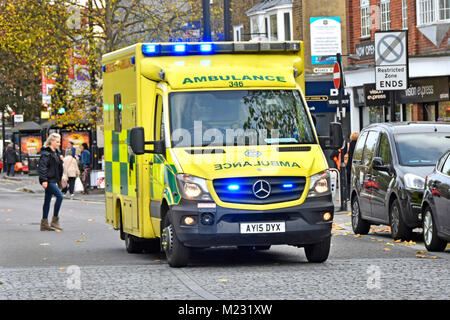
132, 244
177, 254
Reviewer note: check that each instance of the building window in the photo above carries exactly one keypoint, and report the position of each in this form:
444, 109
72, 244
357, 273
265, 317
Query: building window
404, 14
385, 12
365, 18
273, 27
444, 9
255, 26
287, 26
237, 32
432, 11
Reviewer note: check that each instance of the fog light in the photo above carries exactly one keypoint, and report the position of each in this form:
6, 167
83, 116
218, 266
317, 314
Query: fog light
326, 216
207, 219
189, 220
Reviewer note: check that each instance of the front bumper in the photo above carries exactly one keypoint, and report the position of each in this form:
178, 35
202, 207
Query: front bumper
411, 201
304, 224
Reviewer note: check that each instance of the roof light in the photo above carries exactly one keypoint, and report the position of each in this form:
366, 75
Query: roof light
207, 47
150, 49
288, 186
179, 48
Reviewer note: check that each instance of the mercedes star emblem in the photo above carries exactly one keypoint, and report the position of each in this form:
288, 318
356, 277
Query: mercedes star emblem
261, 189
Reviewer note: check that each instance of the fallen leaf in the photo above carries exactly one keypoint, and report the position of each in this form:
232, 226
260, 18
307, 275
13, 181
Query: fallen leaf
358, 236
44, 244
420, 256
62, 269
398, 241
349, 214
1, 283
386, 249
420, 252
380, 240
57, 230
223, 280
347, 224
433, 257
91, 219
389, 244
10, 210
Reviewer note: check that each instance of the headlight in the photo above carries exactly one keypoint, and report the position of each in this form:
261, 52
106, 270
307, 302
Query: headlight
414, 182
193, 188
319, 183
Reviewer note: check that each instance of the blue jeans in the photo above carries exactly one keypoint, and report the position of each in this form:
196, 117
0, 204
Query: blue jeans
52, 190
10, 169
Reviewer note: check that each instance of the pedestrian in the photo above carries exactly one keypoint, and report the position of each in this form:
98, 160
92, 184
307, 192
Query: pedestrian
72, 149
348, 159
85, 165
10, 157
71, 171
50, 175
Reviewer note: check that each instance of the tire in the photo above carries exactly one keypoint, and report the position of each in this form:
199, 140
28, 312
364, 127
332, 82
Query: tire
177, 254
430, 237
359, 225
132, 244
399, 230
318, 252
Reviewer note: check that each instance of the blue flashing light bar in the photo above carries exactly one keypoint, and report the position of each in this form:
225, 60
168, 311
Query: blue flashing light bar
288, 186
233, 187
170, 49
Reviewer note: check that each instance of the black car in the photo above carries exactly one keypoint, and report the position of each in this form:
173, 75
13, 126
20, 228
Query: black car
390, 163
436, 206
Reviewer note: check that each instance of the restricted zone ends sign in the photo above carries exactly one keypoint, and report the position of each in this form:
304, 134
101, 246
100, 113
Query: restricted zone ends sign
391, 60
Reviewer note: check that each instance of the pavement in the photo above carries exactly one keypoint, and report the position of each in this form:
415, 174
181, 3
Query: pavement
30, 184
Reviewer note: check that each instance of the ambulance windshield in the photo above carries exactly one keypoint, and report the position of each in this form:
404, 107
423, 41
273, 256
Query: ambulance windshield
238, 117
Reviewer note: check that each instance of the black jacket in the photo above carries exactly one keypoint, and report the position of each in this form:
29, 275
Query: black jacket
50, 166
10, 156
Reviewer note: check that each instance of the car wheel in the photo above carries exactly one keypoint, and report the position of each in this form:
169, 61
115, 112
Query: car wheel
132, 244
318, 252
177, 254
430, 237
359, 225
399, 230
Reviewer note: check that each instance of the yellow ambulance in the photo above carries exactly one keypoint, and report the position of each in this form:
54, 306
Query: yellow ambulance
212, 144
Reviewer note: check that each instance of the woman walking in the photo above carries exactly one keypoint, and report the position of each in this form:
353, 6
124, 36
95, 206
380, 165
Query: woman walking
71, 170
50, 174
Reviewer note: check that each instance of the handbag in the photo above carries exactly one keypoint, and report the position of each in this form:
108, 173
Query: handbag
78, 185
64, 181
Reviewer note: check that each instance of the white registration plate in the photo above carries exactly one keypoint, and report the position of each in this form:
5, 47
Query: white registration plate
263, 227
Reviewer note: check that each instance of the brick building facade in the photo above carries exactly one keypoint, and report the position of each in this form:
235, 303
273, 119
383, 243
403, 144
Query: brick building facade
428, 28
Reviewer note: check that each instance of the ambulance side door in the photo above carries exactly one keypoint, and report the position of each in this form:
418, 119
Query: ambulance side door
157, 168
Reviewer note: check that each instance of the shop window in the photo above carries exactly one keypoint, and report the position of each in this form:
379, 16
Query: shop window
408, 112
429, 113
444, 111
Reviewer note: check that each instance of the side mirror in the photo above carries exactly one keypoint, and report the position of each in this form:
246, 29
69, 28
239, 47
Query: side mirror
378, 164
137, 140
336, 136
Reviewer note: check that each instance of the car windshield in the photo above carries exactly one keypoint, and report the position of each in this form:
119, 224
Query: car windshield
238, 117
421, 149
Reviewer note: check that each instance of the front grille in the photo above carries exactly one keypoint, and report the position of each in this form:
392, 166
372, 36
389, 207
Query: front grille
282, 189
